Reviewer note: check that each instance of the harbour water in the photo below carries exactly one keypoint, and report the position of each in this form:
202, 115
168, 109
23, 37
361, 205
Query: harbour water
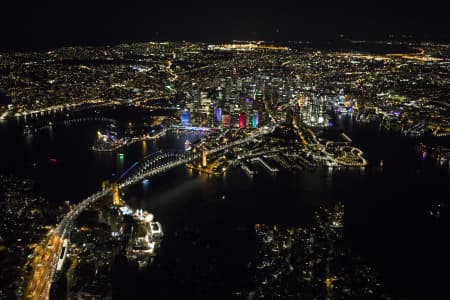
209, 221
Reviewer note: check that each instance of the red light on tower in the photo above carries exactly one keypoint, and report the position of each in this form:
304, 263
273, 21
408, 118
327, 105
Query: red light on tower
241, 120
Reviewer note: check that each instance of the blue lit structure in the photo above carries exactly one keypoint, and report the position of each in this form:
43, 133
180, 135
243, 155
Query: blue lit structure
185, 118
248, 103
218, 114
255, 120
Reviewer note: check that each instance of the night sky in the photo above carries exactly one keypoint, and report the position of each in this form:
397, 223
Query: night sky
47, 24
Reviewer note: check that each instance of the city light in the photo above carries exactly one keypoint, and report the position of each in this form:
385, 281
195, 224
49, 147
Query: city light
274, 126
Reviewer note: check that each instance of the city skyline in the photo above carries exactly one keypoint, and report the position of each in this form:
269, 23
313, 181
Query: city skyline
230, 150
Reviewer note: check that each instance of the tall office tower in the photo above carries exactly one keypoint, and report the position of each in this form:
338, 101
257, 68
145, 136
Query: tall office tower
277, 87
255, 119
251, 91
248, 104
185, 120
234, 96
219, 115
227, 89
226, 120
220, 95
212, 114
204, 111
238, 84
241, 120
248, 119
259, 95
341, 96
221, 92
196, 97
313, 111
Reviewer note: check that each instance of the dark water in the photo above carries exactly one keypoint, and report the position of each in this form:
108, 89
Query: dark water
387, 221
208, 221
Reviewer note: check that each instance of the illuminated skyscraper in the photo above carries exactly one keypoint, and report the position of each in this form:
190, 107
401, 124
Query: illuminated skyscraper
196, 96
226, 120
241, 120
255, 120
185, 118
248, 103
341, 96
314, 112
218, 115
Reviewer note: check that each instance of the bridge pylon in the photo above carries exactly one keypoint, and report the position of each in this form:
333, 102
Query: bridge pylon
204, 158
115, 194
105, 184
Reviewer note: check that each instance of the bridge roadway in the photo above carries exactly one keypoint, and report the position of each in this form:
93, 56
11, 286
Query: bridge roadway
69, 122
46, 256
166, 161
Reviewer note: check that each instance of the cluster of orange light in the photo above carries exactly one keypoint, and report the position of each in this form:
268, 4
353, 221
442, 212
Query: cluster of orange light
43, 263
252, 47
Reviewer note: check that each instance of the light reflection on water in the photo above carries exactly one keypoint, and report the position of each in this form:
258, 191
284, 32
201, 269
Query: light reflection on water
144, 149
183, 196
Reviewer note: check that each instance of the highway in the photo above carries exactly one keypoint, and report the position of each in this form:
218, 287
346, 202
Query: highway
47, 254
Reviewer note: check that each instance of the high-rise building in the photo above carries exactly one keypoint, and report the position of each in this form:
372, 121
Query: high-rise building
196, 97
255, 120
185, 118
219, 115
226, 120
248, 104
314, 111
241, 120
